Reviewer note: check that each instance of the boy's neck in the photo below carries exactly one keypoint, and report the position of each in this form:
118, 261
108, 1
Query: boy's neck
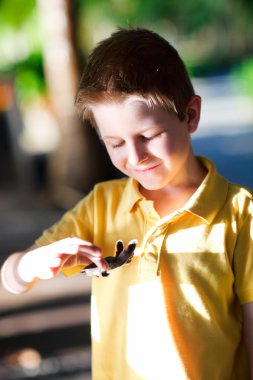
173, 197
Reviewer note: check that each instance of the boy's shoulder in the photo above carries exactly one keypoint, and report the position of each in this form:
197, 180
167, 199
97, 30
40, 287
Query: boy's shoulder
240, 196
217, 182
241, 190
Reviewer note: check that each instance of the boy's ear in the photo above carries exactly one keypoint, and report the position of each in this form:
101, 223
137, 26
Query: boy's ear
193, 113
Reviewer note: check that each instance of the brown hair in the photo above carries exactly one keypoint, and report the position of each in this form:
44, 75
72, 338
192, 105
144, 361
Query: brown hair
135, 62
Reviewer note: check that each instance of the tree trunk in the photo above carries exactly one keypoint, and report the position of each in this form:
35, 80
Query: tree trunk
80, 160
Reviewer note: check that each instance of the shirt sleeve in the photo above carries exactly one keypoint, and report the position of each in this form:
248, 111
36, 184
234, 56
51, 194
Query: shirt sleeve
243, 261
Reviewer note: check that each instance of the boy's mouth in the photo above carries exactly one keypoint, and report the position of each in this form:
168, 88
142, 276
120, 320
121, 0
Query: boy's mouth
146, 170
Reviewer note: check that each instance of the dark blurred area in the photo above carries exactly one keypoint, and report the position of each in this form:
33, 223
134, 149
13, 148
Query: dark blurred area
49, 159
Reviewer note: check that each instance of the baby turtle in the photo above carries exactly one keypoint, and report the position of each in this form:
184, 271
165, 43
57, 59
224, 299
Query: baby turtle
122, 256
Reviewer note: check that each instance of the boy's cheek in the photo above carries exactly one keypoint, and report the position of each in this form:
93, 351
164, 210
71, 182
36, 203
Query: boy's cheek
120, 165
116, 158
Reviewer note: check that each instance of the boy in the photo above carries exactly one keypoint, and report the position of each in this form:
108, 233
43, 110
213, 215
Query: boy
183, 308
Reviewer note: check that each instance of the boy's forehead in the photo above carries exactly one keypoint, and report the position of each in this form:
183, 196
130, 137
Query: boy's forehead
134, 103
132, 113
139, 106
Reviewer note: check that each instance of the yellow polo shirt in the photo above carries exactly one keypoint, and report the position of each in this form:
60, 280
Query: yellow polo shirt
174, 312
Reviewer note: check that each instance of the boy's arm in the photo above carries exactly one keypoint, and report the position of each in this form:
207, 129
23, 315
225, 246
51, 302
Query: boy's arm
248, 332
11, 279
21, 271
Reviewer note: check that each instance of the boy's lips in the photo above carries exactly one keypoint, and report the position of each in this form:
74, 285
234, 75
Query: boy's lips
146, 169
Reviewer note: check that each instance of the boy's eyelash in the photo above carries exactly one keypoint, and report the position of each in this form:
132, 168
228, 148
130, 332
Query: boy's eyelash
145, 138
117, 145
151, 137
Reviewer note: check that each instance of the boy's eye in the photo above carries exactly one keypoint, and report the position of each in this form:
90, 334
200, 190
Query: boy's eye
143, 138
148, 138
117, 145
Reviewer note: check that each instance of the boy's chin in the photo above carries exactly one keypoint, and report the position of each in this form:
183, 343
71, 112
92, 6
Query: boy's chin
151, 186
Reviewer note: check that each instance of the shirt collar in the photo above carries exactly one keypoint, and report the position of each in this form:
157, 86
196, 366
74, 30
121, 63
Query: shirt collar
131, 195
210, 196
205, 202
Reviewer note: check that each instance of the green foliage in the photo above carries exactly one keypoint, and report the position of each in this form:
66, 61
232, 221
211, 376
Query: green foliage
210, 34
13, 13
20, 47
243, 75
188, 17
29, 78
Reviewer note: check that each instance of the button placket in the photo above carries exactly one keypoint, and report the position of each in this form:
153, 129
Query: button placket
152, 244
151, 253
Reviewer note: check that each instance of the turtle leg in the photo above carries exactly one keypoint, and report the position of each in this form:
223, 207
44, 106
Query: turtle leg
105, 274
119, 247
130, 249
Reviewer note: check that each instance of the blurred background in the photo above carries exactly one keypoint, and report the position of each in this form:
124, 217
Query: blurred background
48, 160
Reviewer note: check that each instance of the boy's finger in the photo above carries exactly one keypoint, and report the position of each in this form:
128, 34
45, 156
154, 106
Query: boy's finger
91, 251
100, 262
72, 246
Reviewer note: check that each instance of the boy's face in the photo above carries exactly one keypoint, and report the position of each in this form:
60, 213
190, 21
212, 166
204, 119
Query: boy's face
151, 145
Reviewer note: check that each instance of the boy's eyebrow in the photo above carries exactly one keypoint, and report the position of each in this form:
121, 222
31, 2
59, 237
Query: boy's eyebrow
111, 138
140, 131
151, 129
106, 137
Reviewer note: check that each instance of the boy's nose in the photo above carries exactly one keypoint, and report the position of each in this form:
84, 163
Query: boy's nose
136, 155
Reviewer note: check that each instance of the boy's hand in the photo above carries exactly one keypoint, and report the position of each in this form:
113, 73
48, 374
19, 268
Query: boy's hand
122, 256
46, 262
